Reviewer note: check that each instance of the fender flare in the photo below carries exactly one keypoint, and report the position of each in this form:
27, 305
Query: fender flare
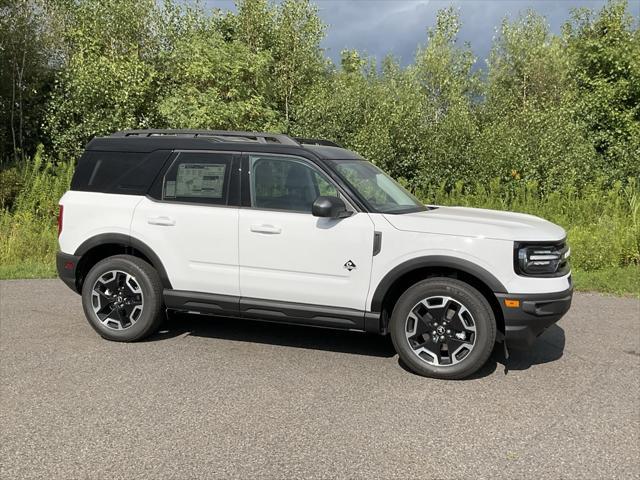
127, 241
433, 261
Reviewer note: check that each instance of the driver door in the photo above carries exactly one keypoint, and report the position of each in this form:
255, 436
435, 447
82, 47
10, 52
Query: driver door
285, 253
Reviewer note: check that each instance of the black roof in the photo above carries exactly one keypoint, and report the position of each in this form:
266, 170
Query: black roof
176, 139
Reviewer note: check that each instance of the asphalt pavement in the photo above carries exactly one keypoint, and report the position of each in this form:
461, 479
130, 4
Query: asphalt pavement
224, 398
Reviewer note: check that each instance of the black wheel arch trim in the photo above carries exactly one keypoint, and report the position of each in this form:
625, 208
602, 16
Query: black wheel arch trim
127, 241
433, 261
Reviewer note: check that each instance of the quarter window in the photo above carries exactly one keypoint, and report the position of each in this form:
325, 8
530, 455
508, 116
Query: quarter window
199, 178
283, 183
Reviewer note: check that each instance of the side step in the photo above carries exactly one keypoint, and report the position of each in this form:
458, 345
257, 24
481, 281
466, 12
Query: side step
271, 310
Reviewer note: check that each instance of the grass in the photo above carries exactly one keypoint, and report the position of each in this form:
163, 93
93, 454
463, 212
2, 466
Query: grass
616, 280
602, 223
27, 269
28, 230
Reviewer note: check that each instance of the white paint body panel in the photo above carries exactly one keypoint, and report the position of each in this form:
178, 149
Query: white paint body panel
478, 223
423, 235
298, 257
198, 244
304, 262
87, 214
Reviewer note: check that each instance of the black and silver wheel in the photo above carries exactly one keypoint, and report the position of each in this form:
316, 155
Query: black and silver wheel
122, 298
443, 328
117, 299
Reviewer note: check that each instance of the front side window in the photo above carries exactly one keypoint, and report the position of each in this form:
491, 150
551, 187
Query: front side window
198, 177
283, 183
377, 189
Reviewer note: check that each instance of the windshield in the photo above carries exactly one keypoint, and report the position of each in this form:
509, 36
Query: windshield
377, 189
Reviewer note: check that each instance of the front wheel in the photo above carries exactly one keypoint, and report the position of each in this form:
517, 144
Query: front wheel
443, 328
122, 298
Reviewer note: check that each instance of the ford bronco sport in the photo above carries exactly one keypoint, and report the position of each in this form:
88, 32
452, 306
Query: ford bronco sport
264, 226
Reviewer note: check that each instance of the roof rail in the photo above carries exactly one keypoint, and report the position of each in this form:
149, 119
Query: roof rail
220, 135
316, 141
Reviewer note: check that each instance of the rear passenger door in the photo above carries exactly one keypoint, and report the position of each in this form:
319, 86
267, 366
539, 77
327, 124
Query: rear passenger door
192, 223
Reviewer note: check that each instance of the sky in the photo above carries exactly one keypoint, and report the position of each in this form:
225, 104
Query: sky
398, 27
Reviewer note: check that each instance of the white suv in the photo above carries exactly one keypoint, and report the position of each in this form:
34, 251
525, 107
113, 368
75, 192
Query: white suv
268, 227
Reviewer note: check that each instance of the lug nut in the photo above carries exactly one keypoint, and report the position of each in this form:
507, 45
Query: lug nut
449, 332
442, 338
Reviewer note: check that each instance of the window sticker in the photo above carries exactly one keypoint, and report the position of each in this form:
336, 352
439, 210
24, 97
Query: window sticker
170, 189
199, 180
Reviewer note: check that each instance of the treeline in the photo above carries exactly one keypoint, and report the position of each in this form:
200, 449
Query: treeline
549, 126
556, 110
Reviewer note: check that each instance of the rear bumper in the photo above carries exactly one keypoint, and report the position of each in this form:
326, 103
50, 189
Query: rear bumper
66, 265
536, 313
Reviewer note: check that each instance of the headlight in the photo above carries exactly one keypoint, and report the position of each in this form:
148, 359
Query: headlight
541, 260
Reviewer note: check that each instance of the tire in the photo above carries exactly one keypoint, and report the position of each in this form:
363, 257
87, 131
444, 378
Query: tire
443, 308
122, 298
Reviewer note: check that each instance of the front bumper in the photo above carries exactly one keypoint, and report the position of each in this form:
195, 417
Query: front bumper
66, 265
536, 313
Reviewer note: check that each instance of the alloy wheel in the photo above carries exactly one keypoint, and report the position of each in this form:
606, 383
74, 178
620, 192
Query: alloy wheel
117, 299
440, 331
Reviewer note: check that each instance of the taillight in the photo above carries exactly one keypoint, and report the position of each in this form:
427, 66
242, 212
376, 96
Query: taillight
60, 219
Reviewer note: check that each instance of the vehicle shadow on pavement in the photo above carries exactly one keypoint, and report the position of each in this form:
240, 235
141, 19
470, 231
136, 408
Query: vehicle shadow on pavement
250, 331
549, 347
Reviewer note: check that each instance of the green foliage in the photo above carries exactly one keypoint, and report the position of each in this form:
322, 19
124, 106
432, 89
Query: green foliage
551, 126
617, 280
524, 121
107, 79
28, 232
605, 58
298, 62
25, 49
11, 180
216, 84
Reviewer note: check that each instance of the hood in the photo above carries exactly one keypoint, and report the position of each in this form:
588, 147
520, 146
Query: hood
479, 223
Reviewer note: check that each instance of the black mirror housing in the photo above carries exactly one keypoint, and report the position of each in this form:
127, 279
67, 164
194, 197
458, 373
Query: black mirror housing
329, 207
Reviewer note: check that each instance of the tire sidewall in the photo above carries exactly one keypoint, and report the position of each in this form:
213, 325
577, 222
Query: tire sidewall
152, 298
472, 300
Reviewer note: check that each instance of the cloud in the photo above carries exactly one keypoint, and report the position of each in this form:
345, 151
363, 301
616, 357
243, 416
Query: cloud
376, 28
397, 27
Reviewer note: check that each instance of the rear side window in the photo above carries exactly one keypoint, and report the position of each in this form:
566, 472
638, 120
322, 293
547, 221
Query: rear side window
130, 173
198, 177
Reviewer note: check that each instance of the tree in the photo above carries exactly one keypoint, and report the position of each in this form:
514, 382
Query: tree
605, 64
443, 73
24, 75
528, 130
210, 83
296, 52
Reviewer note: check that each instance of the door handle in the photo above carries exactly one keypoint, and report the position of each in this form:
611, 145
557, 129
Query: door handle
270, 229
165, 221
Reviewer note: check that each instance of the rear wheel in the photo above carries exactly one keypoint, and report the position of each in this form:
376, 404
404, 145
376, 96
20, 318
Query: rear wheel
122, 298
443, 328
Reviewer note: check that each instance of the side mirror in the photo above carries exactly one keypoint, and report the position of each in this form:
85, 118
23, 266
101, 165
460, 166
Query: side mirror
329, 207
